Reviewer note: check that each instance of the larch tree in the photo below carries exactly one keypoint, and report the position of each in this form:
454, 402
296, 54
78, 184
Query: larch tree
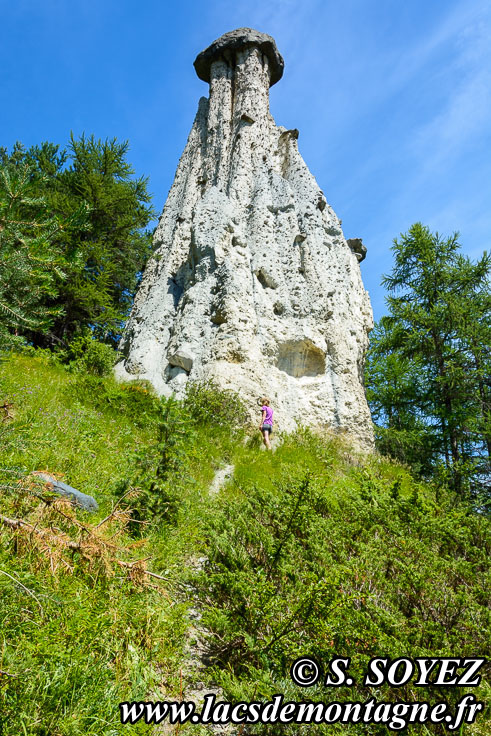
433, 349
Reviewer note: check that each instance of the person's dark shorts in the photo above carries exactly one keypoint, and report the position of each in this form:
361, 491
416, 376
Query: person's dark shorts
267, 428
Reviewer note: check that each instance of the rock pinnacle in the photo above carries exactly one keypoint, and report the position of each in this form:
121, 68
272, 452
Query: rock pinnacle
252, 282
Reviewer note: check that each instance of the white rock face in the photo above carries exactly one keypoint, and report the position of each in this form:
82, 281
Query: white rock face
252, 282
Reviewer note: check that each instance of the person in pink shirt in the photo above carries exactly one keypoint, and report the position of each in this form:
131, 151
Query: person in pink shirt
266, 425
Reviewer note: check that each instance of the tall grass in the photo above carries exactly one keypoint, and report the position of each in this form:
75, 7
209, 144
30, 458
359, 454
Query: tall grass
80, 632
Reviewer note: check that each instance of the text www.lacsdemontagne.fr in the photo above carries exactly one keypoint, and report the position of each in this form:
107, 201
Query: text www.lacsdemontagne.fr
396, 716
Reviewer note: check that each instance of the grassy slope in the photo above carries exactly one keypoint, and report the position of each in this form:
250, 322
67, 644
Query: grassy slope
364, 558
95, 637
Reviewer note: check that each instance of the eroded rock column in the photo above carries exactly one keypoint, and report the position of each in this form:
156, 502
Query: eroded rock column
252, 282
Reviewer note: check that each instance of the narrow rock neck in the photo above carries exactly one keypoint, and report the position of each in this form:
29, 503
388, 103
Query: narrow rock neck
241, 85
239, 98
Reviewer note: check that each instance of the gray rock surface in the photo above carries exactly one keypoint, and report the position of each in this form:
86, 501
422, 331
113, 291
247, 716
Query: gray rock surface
88, 503
222, 476
252, 281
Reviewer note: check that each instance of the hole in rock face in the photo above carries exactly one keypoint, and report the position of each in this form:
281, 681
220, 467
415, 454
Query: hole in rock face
175, 288
262, 280
266, 279
301, 358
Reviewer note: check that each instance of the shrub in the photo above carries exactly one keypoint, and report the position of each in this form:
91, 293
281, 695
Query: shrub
164, 467
207, 403
134, 400
295, 571
95, 357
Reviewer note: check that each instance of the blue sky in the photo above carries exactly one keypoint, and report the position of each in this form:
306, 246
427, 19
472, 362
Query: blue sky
392, 100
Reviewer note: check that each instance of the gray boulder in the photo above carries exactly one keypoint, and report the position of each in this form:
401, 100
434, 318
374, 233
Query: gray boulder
62, 489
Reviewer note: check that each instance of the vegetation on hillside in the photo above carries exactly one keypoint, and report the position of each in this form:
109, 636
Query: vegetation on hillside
321, 559
310, 550
85, 623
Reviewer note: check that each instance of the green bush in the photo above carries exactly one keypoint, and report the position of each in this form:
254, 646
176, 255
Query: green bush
163, 469
298, 569
92, 356
85, 354
134, 400
207, 403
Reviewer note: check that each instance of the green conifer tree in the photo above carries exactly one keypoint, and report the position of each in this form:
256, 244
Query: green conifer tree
105, 255
433, 348
31, 267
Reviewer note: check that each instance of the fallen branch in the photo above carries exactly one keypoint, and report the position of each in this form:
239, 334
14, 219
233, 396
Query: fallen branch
20, 523
114, 509
46, 536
